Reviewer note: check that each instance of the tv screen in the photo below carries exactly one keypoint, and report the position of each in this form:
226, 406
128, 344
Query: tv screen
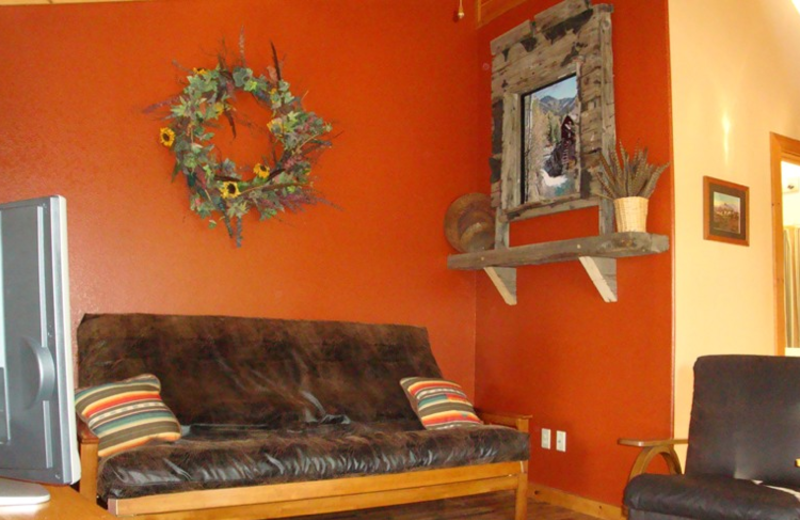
38, 440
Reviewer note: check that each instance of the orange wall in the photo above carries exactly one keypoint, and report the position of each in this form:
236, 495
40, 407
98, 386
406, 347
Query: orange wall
597, 370
399, 79
396, 78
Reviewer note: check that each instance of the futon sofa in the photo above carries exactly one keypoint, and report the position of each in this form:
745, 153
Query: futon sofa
285, 418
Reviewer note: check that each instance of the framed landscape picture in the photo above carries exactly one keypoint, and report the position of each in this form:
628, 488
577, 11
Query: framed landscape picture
726, 211
550, 162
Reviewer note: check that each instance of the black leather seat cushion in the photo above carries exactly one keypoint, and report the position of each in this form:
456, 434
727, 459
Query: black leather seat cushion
212, 457
710, 497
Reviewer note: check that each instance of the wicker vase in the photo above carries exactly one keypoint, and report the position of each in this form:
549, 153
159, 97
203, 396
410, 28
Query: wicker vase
631, 214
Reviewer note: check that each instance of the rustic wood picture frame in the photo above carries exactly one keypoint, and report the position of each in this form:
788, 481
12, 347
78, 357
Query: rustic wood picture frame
726, 211
572, 37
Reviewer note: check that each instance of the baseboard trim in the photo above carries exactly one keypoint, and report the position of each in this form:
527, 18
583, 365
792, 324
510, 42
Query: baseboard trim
576, 503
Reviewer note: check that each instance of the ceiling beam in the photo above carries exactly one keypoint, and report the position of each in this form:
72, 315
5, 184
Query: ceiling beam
53, 2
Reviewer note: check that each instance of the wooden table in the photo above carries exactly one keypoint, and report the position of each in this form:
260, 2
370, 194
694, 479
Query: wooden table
65, 504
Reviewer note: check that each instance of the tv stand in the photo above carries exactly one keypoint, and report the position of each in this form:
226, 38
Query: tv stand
65, 504
18, 493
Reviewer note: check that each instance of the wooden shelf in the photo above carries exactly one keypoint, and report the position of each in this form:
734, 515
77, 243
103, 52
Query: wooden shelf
614, 245
597, 254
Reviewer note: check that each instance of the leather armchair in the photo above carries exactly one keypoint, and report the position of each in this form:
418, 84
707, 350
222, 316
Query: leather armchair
744, 439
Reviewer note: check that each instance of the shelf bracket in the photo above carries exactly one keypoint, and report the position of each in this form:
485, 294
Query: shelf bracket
603, 273
505, 280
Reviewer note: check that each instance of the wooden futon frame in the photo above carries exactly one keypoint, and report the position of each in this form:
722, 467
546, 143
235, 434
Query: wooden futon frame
322, 496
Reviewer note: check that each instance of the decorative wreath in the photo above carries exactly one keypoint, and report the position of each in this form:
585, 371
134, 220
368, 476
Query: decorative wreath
279, 181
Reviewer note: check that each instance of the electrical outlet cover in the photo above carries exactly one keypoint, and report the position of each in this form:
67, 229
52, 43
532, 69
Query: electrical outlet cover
561, 441
546, 438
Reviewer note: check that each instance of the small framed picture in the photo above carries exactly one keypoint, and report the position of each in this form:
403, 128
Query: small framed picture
726, 209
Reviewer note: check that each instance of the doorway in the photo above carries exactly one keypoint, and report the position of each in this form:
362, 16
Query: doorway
785, 173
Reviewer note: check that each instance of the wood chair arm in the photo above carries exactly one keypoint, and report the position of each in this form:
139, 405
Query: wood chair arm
513, 420
85, 435
650, 450
88, 444
646, 443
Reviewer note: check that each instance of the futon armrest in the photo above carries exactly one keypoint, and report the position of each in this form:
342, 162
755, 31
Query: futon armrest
514, 420
85, 435
88, 444
650, 450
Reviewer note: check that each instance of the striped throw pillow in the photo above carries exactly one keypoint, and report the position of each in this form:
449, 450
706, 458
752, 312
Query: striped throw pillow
127, 414
439, 403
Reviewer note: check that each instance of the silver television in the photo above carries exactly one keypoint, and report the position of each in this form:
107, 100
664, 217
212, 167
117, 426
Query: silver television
38, 440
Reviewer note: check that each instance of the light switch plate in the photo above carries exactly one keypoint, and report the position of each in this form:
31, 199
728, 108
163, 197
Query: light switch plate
546, 438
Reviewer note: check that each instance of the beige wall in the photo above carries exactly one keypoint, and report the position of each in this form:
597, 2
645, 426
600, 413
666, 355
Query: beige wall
731, 86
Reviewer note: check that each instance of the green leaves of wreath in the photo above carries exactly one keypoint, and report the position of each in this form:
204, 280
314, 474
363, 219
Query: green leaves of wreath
279, 181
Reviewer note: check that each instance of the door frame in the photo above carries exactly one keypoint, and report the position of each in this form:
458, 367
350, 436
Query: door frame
781, 149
